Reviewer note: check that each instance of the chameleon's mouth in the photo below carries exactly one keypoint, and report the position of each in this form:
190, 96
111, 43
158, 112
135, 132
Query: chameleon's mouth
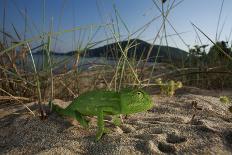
139, 108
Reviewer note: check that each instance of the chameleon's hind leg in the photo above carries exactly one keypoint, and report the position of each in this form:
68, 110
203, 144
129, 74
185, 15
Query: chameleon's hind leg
80, 118
100, 124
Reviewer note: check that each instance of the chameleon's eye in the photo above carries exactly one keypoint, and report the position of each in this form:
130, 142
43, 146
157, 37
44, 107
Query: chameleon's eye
140, 95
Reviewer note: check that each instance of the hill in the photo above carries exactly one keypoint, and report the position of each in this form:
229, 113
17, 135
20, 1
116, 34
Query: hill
139, 49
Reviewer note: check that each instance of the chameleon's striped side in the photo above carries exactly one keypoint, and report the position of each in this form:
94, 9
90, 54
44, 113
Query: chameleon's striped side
89, 103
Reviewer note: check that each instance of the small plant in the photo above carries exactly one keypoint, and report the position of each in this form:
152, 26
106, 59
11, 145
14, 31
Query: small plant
225, 99
168, 88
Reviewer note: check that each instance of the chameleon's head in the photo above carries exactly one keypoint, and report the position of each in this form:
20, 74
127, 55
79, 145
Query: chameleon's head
133, 101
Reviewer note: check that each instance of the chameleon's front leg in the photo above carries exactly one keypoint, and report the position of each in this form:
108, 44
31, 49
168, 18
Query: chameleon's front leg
100, 124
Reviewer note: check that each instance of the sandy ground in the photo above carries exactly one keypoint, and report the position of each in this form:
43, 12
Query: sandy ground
168, 128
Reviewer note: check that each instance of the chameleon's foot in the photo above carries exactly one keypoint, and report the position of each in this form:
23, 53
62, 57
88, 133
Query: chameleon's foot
100, 124
99, 135
117, 121
96, 139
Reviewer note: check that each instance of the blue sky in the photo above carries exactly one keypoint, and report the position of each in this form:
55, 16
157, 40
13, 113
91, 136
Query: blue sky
67, 14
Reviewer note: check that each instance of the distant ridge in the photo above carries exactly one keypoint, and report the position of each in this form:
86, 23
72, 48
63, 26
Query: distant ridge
139, 49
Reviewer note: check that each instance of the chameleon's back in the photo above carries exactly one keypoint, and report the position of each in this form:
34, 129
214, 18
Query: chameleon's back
90, 102
133, 101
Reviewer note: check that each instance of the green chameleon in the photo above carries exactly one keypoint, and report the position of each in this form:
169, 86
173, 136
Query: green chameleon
100, 103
